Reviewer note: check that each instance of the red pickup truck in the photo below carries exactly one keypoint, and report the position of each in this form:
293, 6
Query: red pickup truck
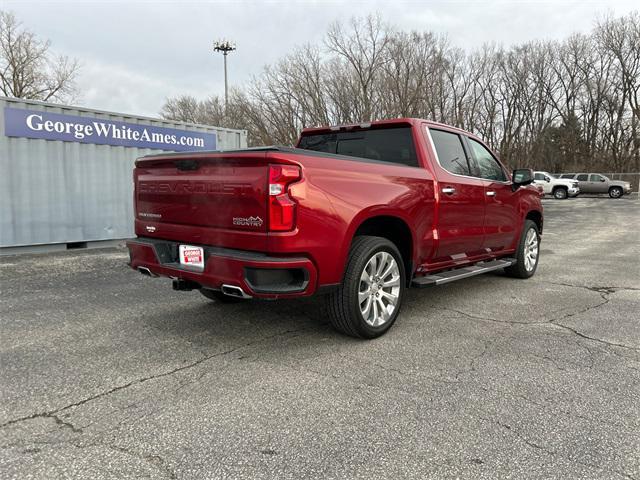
360, 212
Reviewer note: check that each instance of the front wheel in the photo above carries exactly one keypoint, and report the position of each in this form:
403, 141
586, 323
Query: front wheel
560, 193
615, 192
527, 255
368, 301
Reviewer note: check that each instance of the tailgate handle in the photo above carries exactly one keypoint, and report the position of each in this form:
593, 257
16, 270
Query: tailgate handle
187, 164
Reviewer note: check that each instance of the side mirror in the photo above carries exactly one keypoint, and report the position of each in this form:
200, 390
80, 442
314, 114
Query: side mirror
521, 177
602, 179
547, 179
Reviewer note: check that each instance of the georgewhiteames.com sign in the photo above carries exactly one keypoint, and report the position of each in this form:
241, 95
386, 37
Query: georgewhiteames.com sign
72, 128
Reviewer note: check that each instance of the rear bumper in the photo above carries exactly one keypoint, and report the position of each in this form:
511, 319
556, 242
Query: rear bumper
257, 274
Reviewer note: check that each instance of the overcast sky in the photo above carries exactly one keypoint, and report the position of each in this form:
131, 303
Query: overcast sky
135, 54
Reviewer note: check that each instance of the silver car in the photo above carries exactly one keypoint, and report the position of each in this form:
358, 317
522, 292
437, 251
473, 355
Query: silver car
598, 183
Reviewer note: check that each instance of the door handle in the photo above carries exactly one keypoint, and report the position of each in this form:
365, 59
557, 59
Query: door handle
491, 193
449, 190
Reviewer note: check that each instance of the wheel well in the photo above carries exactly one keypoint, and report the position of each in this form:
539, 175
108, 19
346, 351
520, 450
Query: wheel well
615, 186
564, 187
536, 217
395, 230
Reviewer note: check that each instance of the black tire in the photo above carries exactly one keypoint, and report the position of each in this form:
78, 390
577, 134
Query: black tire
342, 304
616, 192
519, 269
560, 193
218, 296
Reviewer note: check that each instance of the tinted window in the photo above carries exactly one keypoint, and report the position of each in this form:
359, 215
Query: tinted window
582, 177
450, 152
489, 166
386, 144
596, 178
538, 176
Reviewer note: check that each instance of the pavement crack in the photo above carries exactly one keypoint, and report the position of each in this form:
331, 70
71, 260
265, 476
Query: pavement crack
594, 339
599, 289
604, 293
152, 459
523, 438
477, 317
472, 363
64, 423
54, 413
547, 450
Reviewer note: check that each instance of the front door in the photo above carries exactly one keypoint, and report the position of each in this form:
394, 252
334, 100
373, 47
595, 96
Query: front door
501, 202
459, 224
597, 183
541, 178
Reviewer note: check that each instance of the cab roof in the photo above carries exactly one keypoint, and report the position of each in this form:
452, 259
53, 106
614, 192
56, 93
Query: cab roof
405, 121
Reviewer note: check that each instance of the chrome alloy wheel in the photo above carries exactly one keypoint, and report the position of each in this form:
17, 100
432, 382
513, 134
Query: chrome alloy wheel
379, 289
531, 246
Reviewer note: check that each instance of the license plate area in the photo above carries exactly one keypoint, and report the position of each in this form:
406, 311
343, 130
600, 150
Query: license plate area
191, 256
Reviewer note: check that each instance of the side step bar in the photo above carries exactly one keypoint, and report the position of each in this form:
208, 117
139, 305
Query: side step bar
459, 273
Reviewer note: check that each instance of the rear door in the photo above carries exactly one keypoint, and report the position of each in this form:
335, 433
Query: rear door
501, 202
583, 183
461, 205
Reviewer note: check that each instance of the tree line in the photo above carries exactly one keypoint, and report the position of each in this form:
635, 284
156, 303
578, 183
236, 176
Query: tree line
561, 106
565, 105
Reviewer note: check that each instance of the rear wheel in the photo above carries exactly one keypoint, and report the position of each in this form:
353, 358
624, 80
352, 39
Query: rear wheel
528, 252
560, 193
615, 192
218, 296
368, 301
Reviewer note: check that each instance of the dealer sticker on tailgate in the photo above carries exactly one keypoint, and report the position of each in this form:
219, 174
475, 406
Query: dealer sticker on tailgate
192, 256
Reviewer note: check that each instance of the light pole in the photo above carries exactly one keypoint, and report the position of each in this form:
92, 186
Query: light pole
225, 47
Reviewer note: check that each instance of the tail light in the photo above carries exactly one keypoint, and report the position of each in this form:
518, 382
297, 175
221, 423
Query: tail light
282, 208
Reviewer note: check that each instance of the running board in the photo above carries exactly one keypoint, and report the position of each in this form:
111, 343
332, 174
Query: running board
459, 273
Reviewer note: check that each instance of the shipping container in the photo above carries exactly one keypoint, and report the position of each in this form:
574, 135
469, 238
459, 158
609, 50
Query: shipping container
66, 172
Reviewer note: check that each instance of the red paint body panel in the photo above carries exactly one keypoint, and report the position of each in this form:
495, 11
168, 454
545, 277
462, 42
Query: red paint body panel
219, 270
210, 198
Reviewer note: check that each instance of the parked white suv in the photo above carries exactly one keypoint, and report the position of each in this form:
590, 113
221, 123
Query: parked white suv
560, 188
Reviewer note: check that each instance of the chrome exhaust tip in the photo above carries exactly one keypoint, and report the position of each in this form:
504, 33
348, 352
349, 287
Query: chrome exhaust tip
234, 291
146, 271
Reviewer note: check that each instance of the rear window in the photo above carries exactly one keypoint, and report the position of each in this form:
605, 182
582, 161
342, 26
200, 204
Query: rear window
393, 145
451, 154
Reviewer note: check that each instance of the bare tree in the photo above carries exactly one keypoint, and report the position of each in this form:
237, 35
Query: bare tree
557, 105
27, 67
364, 50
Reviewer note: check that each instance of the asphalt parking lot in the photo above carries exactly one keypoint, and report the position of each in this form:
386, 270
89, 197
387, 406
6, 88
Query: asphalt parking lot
109, 374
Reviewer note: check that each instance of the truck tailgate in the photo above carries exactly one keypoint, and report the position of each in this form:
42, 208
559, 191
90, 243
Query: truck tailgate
204, 194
